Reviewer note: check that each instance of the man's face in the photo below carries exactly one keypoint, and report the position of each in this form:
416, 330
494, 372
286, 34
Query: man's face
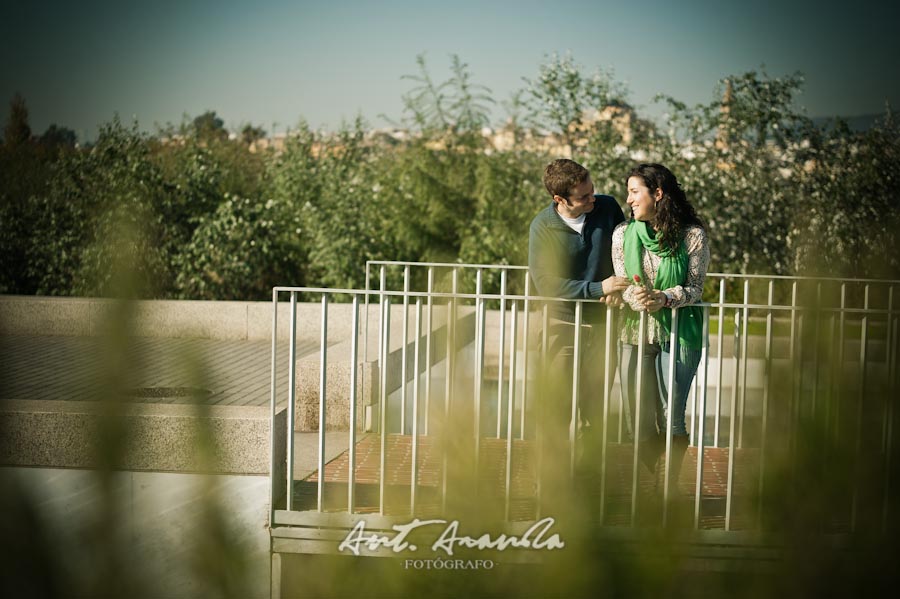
580, 200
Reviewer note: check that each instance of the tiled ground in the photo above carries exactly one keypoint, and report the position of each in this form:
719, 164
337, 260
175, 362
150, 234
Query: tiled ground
492, 480
160, 370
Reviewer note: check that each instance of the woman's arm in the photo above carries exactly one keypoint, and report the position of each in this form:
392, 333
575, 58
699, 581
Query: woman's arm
691, 291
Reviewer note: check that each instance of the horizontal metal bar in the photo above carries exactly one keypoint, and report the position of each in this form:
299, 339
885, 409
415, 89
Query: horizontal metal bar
709, 274
542, 298
446, 264
726, 275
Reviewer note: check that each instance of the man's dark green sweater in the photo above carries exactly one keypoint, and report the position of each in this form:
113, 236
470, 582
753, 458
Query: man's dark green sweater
563, 263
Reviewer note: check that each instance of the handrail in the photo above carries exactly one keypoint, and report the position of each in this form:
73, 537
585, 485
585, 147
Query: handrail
865, 346
709, 274
543, 298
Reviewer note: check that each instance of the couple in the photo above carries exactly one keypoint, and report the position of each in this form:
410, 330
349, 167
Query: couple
582, 247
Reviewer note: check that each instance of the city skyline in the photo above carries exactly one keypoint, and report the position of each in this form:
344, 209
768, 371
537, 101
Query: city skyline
275, 63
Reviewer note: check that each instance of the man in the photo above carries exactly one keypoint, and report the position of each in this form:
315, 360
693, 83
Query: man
569, 256
570, 242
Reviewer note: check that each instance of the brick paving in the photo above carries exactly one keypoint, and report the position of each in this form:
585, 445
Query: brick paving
492, 480
161, 370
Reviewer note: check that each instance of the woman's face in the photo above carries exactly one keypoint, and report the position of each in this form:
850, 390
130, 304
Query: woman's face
643, 205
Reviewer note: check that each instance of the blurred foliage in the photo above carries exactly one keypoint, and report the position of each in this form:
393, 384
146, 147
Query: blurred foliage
117, 538
227, 216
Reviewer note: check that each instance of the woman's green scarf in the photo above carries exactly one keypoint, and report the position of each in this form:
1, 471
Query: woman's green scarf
673, 268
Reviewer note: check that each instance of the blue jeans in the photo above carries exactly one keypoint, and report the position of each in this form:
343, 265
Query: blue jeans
654, 389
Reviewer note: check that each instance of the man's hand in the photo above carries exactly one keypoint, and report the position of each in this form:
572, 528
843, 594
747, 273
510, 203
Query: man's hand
615, 285
613, 299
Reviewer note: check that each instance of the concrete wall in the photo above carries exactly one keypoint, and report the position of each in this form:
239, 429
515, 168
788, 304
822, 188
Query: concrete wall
84, 481
154, 437
169, 534
252, 321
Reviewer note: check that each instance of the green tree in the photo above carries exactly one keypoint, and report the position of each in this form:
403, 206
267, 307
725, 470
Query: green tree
752, 106
850, 212
199, 176
56, 138
90, 195
17, 130
453, 111
24, 172
239, 252
208, 126
341, 215
560, 98
508, 193
740, 184
762, 107
250, 134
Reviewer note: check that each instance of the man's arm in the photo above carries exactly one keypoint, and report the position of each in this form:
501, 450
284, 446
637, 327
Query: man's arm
615, 286
545, 264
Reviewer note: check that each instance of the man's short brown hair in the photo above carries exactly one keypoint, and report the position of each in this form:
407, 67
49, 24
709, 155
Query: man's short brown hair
562, 175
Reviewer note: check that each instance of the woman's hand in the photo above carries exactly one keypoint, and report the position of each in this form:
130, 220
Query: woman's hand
651, 299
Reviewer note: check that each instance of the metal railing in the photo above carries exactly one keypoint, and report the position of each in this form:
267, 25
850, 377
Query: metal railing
818, 357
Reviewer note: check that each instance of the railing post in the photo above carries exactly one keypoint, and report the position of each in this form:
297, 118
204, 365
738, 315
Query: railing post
448, 383
272, 466
670, 417
382, 413
721, 359
636, 428
403, 353
767, 377
817, 321
323, 371
576, 382
480, 326
693, 424
539, 429
292, 400
526, 338
414, 475
500, 352
744, 363
888, 413
428, 326
863, 339
802, 323
795, 374
732, 446
511, 409
838, 380
354, 369
701, 441
889, 442
608, 376
382, 357
365, 333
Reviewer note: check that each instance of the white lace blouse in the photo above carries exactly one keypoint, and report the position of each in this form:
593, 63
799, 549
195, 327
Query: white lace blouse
690, 292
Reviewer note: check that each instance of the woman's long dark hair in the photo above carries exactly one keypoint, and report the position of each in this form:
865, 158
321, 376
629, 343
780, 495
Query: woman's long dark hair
673, 212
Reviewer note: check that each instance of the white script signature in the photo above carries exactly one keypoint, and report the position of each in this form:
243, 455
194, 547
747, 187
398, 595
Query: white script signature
536, 537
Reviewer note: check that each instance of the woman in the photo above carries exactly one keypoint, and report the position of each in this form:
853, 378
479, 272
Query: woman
663, 250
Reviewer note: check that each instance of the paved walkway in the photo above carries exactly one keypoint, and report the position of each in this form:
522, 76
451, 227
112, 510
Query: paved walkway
214, 372
523, 500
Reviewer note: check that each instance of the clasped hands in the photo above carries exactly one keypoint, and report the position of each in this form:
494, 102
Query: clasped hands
652, 300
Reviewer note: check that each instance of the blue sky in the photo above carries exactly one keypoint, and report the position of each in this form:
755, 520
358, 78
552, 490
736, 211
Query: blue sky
273, 63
